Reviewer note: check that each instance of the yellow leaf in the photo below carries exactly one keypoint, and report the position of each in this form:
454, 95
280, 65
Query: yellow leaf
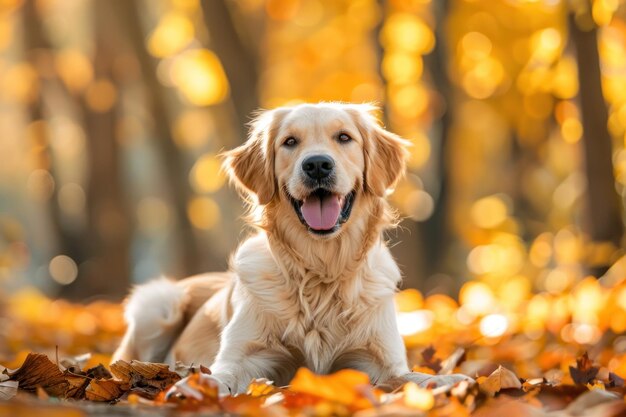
417, 397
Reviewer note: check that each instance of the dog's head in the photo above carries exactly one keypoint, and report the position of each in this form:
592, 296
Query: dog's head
320, 159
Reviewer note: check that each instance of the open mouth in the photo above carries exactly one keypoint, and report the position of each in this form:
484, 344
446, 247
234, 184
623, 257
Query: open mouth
323, 212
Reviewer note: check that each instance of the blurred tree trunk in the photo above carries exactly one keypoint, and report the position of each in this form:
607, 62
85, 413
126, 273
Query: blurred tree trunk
239, 62
173, 163
603, 220
39, 53
108, 234
435, 232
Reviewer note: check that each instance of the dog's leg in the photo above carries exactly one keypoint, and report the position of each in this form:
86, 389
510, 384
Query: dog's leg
199, 342
384, 358
245, 354
390, 349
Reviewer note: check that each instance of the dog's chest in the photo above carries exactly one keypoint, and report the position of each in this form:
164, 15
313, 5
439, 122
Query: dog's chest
319, 316
324, 323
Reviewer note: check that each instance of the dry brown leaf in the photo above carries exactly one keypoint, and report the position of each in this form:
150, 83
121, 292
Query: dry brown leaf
429, 359
38, 371
125, 371
145, 378
99, 372
584, 372
76, 385
104, 390
500, 379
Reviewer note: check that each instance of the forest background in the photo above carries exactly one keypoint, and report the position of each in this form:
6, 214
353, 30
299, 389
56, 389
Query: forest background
113, 113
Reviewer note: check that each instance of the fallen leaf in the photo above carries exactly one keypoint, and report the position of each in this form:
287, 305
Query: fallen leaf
76, 386
584, 372
38, 371
145, 378
99, 372
103, 390
261, 387
500, 379
124, 371
429, 360
245, 405
341, 387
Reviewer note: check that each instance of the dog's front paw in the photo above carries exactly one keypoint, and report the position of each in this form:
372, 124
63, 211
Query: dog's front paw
186, 388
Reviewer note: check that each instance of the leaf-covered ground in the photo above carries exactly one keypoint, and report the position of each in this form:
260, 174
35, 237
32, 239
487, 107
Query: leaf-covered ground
550, 355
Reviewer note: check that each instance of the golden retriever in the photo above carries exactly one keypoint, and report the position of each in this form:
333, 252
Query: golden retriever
315, 286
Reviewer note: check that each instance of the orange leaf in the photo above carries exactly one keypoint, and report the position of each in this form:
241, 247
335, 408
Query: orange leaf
260, 387
243, 404
343, 387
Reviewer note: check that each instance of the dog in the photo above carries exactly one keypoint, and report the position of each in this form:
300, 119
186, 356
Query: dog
315, 285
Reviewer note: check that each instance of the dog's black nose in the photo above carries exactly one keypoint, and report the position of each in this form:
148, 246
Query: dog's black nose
318, 166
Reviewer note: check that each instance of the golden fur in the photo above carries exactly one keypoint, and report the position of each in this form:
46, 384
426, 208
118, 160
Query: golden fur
293, 298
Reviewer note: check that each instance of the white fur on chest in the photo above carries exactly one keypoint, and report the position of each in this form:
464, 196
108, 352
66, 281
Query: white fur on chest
320, 319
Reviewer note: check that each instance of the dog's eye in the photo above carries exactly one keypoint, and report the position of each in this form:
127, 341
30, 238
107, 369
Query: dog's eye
344, 137
290, 141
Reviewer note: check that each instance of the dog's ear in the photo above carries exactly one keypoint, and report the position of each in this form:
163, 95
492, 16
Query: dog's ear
251, 165
385, 153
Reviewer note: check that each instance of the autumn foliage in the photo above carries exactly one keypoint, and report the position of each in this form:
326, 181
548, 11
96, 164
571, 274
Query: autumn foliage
525, 369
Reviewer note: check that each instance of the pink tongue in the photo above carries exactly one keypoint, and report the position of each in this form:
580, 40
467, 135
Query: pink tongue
321, 215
